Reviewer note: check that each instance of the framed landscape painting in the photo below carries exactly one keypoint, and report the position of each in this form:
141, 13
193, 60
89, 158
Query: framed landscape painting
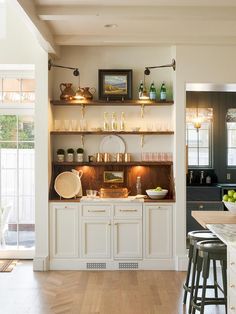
115, 84
113, 177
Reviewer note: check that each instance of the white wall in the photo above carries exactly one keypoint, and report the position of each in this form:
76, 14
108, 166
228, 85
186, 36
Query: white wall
89, 60
20, 47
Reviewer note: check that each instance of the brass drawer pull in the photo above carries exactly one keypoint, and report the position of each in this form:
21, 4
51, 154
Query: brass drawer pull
97, 211
128, 210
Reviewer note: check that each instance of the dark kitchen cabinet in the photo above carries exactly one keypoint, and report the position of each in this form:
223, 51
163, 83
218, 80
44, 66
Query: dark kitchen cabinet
192, 224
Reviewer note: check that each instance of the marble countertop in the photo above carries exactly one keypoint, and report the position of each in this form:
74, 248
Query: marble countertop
225, 232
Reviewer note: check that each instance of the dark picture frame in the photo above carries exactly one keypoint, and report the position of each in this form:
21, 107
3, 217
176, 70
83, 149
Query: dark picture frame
115, 84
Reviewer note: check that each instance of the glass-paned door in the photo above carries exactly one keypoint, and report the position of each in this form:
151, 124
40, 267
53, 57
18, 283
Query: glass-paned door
17, 180
17, 155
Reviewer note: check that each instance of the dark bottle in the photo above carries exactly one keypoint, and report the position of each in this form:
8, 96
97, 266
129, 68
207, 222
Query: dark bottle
152, 92
163, 92
140, 90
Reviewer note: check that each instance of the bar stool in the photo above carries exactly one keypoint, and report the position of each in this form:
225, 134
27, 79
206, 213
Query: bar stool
194, 237
209, 250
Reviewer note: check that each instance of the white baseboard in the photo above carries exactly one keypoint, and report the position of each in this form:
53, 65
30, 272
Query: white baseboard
41, 263
181, 263
78, 264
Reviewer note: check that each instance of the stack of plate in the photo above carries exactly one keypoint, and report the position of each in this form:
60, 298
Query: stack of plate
112, 144
67, 184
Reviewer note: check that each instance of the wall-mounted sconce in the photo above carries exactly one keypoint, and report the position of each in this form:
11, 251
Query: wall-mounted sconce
51, 64
172, 65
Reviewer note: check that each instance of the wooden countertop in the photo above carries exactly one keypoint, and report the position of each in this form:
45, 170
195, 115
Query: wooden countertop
214, 217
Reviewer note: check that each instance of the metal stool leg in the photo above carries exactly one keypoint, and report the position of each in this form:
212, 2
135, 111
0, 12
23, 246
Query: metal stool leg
205, 275
215, 279
194, 300
186, 285
194, 261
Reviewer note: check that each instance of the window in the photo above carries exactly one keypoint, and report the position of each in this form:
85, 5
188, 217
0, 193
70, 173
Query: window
231, 137
17, 160
199, 137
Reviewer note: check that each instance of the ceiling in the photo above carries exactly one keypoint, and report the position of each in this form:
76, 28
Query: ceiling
153, 22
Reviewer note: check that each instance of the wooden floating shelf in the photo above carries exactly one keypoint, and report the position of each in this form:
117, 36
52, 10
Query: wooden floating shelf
136, 102
131, 163
110, 132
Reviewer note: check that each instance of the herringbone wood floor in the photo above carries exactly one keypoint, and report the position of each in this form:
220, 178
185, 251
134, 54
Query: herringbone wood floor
91, 292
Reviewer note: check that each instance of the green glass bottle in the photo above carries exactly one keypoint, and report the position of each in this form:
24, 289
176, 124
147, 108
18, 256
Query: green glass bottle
140, 90
152, 92
163, 92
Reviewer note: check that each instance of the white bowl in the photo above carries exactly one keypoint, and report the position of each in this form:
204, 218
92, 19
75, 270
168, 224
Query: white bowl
231, 207
156, 195
91, 193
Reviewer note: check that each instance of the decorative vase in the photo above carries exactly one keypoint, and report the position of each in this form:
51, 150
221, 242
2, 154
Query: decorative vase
67, 92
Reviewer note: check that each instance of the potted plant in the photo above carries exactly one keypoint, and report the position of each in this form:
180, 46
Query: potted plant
70, 155
60, 155
80, 154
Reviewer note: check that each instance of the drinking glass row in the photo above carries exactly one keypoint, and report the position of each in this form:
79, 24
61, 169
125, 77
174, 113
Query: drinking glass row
157, 156
75, 125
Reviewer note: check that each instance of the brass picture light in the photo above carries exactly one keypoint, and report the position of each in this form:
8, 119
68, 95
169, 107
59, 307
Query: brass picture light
172, 65
51, 64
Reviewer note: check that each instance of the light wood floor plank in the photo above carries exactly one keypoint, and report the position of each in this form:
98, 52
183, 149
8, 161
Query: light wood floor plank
93, 292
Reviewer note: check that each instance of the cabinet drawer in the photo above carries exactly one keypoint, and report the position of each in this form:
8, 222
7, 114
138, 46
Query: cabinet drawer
128, 210
205, 205
96, 210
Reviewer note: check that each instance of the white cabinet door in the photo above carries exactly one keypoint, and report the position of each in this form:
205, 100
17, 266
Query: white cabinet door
96, 238
127, 239
158, 235
64, 230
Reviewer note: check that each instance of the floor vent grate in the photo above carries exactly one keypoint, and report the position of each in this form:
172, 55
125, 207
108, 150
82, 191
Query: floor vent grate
128, 265
96, 266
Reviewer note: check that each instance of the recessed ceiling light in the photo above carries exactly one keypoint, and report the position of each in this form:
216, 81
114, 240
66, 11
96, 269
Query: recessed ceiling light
110, 25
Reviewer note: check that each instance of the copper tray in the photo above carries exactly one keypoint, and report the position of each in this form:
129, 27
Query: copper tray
113, 192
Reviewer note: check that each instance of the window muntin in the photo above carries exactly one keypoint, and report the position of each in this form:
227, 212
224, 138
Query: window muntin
17, 90
231, 137
199, 140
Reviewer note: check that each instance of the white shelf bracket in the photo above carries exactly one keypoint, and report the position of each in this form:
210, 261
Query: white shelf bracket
142, 111
82, 140
142, 140
83, 111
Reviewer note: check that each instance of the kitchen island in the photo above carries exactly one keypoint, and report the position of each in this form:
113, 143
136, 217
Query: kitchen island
223, 224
